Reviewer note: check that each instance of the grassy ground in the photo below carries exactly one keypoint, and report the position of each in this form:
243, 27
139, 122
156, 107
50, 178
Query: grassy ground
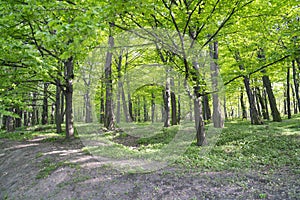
240, 145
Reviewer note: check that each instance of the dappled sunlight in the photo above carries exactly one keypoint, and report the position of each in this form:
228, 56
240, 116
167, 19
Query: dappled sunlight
22, 146
63, 152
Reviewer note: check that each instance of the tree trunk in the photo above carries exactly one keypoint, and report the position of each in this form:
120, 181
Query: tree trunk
52, 113
109, 119
262, 104
18, 120
296, 84
256, 99
214, 68
62, 108
25, 118
206, 108
267, 84
58, 117
69, 76
102, 107
274, 111
288, 95
224, 107
243, 107
255, 119
88, 107
152, 107
199, 122
167, 100
34, 109
294, 99
145, 109
45, 105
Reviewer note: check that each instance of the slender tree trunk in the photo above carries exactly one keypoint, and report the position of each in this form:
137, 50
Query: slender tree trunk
267, 84
62, 108
288, 95
296, 83
45, 105
266, 102
243, 107
295, 107
88, 107
34, 109
69, 76
178, 103
214, 68
173, 103
9, 122
167, 100
18, 120
262, 104
256, 99
206, 108
25, 118
224, 107
145, 109
285, 100
255, 119
109, 120
152, 107
119, 91
52, 113
102, 107
199, 122
274, 111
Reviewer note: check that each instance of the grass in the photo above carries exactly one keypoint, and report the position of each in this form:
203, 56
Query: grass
244, 146
27, 133
240, 145
48, 166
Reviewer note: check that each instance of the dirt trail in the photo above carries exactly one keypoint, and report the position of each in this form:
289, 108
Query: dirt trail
82, 176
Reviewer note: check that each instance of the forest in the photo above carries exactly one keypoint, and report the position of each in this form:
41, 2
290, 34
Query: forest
153, 85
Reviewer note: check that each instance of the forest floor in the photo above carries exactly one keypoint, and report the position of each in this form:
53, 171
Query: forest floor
39, 169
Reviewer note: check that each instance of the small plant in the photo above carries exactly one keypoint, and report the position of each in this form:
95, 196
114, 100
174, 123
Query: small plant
262, 196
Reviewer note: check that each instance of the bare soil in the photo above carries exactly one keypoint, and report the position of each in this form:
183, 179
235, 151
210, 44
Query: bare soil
82, 176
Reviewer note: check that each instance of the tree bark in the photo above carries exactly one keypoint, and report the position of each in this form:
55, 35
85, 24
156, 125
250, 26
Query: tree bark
243, 107
255, 119
18, 120
167, 100
199, 122
52, 113
262, 104
58, 117
45, 105
34, 110
267, 84
88, 107
173, 104
109, 119
69, 76
288, 95
152, 107
206, 108
296, 84
214, 68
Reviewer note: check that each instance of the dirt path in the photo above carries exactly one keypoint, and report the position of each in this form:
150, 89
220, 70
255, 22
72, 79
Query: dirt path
77, 175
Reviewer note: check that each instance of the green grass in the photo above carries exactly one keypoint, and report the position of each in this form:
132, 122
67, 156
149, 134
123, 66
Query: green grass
244, 146
239, 146
27, 133
48, 166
